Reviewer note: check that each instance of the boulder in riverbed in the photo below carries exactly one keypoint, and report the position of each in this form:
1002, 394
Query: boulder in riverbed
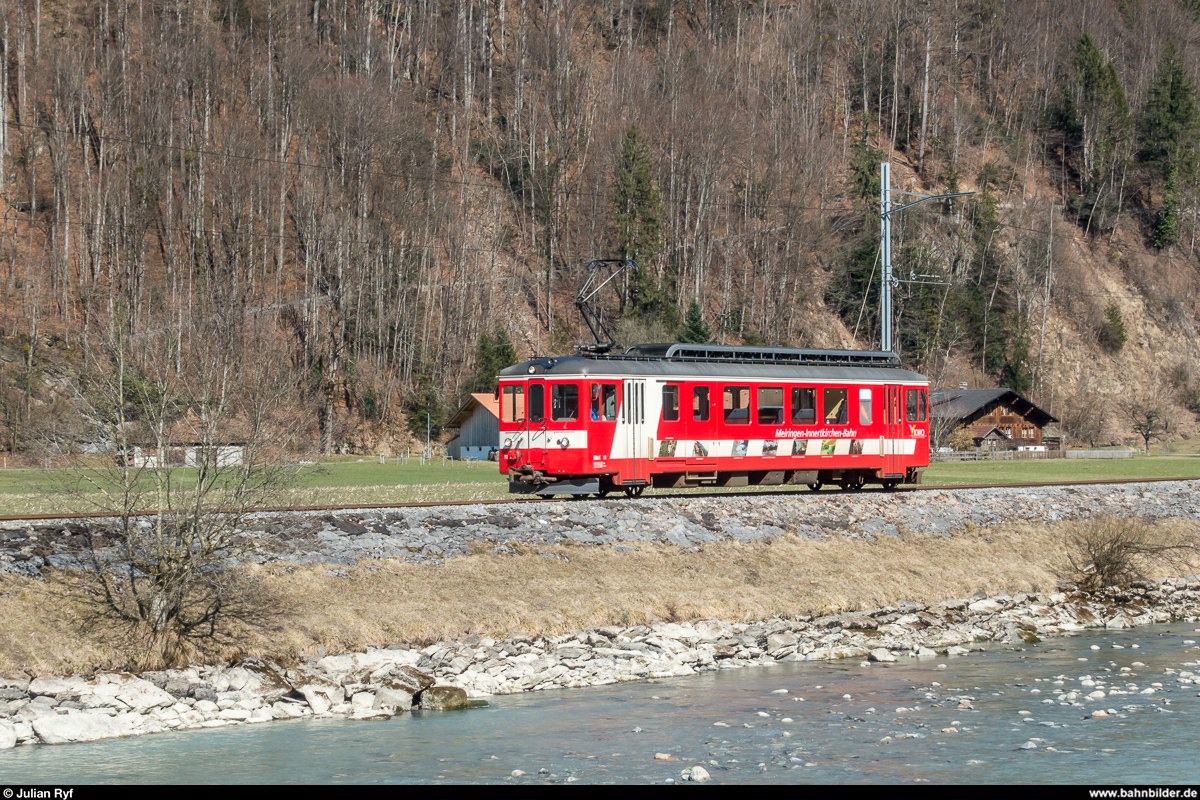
8, 735
322, 695
396, 698
142, 695
443, 698
66, 728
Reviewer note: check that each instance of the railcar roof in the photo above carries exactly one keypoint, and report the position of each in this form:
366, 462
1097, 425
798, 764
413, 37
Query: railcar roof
723, 361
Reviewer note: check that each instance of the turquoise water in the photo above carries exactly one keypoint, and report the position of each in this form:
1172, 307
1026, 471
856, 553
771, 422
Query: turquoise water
611, 734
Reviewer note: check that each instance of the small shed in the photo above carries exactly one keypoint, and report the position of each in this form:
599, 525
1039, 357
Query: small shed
989, 437
478, 423
188, 454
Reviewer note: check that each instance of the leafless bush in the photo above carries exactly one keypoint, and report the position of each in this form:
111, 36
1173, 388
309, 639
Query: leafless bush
1111, 551
193, 446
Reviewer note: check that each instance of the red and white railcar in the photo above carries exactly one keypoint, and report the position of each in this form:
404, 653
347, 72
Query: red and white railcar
710, 415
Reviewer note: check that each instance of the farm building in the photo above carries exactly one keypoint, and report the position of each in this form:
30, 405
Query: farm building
478, 423
187, 454
998, 419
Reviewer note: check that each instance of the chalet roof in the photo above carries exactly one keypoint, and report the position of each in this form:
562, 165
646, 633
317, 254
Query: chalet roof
477, 400
968, 404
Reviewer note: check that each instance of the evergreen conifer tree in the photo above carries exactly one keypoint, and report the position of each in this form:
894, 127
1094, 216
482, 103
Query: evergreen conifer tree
493, 353
1166, 226
1170, 125
1098, 119
638, 215
636, 205
694, 330
864, 170
1112, 330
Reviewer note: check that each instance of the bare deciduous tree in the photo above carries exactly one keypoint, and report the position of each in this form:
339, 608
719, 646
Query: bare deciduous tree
1148, 419
195, 444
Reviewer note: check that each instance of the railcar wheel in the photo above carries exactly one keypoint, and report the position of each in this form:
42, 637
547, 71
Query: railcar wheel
634, 491
600, 495
845, 486
890, 486
816, 487
858, 484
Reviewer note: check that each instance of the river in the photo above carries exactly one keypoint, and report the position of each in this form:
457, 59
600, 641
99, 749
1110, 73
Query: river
838, 723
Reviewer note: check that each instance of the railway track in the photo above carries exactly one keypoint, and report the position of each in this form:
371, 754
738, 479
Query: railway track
662, 496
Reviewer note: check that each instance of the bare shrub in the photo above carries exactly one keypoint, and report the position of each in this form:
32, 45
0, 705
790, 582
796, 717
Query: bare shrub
189, 418
1111, 551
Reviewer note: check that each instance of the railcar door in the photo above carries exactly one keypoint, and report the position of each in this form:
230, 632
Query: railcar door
893, 429
633, 407
672, 428
538, 435
700, 446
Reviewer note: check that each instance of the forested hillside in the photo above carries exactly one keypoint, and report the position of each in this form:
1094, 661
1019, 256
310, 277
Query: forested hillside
360, 205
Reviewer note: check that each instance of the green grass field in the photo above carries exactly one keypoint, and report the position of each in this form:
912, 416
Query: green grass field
1061, 469
351, 481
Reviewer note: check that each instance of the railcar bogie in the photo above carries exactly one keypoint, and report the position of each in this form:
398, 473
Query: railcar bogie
675, 416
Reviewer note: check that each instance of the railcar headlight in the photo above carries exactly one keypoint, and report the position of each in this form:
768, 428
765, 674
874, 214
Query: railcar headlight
532, 369
507, 443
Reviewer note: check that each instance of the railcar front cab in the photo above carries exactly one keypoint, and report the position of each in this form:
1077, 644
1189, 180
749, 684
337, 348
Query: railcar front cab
546, 424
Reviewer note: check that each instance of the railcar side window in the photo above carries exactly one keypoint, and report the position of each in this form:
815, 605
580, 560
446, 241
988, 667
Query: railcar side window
737, 405
804, 405
770, 405
512, 404
604, 402
670, 402
700, 403
910, 404
864, 406
537, 403
922, 403
836, 412
564, 402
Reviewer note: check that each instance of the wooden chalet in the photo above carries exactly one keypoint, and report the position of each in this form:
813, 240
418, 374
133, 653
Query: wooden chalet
998, 419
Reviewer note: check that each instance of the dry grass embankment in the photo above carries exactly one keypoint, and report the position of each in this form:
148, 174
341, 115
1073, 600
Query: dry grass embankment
48, 628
